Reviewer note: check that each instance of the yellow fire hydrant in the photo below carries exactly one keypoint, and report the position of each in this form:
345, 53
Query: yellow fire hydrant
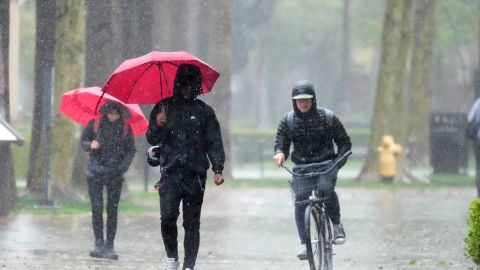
388, 151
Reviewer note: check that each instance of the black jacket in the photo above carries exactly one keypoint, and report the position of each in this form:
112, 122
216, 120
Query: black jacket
190, 138
116, 152
312, 138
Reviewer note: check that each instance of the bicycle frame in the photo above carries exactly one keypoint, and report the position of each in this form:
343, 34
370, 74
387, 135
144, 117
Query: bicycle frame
318, 225
319, 237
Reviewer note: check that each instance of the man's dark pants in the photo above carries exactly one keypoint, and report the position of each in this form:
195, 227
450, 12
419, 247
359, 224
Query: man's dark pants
95, 191
188, 188
303, 186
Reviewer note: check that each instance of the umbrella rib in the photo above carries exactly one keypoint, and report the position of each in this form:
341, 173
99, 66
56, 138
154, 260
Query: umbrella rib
136, 80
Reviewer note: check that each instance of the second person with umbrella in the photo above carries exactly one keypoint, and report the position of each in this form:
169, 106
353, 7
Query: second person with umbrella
109, 141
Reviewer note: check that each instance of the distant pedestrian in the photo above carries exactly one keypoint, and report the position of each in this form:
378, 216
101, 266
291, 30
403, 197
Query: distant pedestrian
109, 142
473, 133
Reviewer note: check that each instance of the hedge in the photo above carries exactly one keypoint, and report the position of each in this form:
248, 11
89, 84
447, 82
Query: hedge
473, 235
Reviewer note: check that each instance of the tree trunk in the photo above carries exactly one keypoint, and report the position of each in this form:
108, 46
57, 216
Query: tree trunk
69, 52
219, 56
8, 192
339, 95
136, 29
420, 93
389, 110
44, 53
99, 64
178, 25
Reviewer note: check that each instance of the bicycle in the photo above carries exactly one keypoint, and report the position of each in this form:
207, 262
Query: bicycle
318, 225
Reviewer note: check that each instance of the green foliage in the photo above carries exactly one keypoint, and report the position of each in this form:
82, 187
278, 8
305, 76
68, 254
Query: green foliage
252, 145
21, 153
473, 235
457, 22
65, 207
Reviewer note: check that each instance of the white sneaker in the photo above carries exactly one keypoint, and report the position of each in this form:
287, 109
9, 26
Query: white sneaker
188, 269
302, 252
171, 263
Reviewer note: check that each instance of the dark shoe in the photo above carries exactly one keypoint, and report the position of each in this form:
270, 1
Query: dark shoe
338, 234
110, 254
97, 252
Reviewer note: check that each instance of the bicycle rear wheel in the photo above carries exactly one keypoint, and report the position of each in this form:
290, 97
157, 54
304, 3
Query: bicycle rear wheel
315, 241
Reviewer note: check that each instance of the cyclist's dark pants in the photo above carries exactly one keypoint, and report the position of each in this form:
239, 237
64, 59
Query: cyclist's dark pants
187, 188
303, 187
95, 191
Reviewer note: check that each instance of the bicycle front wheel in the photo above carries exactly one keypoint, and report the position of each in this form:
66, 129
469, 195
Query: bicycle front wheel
315, 242
327, 234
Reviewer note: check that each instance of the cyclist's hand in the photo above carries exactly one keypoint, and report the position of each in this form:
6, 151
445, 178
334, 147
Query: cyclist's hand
279, 159
218, 179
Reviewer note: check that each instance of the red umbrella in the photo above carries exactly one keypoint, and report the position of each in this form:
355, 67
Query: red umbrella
149, 78
80, 105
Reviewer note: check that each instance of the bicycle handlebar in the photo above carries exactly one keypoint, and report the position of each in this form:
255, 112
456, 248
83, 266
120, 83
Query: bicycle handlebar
337, 161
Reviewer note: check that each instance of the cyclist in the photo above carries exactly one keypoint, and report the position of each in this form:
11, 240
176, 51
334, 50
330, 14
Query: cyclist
313, 132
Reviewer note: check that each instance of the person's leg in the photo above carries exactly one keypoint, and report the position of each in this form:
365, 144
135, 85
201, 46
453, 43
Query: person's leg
333, 208
114, 189
170, 196
327, 187
302, 191
192, 207
95, 192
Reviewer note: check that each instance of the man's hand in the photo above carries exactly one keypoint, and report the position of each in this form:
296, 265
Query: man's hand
161, 118
218, 179
279, 159
95, 145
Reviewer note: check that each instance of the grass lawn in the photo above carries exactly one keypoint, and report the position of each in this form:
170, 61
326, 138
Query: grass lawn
140, 202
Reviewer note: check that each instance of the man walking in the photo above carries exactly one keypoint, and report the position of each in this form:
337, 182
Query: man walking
187, 133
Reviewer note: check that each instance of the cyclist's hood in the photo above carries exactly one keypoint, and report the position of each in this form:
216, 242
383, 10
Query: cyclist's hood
304, 89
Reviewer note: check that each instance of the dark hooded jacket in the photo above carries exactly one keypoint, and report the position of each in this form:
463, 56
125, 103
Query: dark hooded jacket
191, 137
312, 138
117, 147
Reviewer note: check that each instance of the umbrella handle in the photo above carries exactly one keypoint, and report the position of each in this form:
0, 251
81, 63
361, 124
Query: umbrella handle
98, 102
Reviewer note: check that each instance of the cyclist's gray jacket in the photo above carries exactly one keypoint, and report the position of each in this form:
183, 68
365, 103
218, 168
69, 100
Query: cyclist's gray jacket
312, 136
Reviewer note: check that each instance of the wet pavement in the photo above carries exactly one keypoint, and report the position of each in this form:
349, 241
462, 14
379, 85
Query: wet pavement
253, 229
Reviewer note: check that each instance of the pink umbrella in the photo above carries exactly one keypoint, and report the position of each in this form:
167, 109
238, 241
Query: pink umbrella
149, 78
80, 105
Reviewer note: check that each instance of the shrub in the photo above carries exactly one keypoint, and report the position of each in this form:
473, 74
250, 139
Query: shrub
473, 235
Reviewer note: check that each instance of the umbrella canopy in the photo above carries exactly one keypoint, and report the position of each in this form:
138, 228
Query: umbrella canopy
150, 78
80, 105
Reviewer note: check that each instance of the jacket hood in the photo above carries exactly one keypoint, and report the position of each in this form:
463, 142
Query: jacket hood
304, 88
187, 75
110, 106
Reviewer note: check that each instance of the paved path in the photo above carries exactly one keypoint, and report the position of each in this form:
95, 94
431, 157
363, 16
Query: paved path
253, 229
